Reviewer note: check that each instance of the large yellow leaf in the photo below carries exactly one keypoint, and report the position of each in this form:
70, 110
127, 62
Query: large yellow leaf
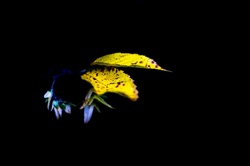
111, 80
127, 60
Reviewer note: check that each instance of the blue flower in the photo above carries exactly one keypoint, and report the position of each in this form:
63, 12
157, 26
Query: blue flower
89, 105
88, 111
58, 106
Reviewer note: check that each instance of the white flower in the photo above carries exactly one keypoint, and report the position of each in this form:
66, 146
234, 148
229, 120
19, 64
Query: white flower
48, 95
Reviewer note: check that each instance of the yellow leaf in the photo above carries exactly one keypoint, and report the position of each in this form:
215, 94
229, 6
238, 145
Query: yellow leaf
127, 60
111, 80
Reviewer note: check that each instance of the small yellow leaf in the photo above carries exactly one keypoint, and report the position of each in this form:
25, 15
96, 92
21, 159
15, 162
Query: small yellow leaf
111, 80
127, 60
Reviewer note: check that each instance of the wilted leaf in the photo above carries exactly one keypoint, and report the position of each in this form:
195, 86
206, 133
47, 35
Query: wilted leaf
127, 60
111, 80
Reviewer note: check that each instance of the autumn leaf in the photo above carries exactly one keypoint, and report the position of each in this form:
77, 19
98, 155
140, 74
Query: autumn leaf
111, 79
127, 60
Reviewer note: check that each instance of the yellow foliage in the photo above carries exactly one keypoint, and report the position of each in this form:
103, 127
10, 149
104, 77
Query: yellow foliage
111, 80
127, 60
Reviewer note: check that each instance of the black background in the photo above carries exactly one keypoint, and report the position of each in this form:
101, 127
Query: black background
170, 112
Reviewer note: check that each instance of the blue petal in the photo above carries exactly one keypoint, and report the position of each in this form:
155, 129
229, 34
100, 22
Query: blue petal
68, 109
88, 111
56, 113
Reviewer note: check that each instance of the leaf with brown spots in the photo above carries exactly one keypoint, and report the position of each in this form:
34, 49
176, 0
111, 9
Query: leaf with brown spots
127, 60
111, 80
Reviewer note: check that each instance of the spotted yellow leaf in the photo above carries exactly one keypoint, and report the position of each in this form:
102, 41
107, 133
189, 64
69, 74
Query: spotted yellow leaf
112, 80
127, 60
